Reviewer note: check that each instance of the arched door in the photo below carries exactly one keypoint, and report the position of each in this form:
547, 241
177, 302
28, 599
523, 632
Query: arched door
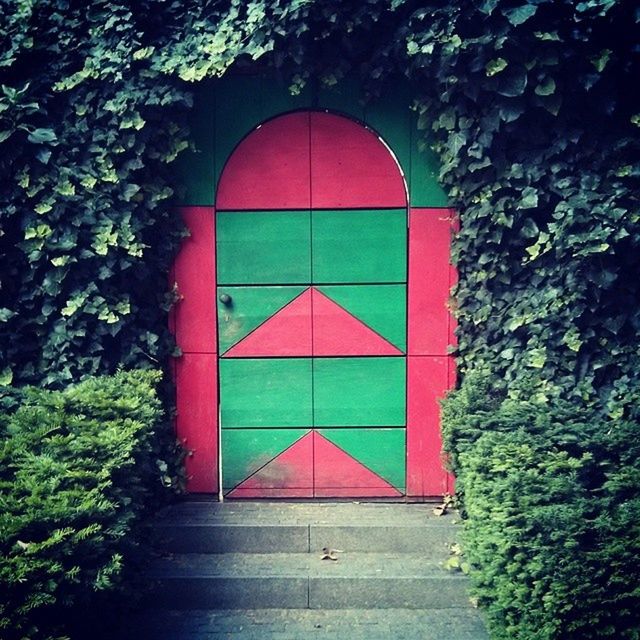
311, 244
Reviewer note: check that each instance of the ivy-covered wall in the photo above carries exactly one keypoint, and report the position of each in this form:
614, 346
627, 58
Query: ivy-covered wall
87, 229
528, 105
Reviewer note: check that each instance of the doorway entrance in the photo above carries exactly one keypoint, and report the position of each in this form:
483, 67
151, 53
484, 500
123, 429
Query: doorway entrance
314, 318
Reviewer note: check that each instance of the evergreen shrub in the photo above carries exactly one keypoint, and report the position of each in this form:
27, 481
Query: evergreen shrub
552, 513
78, 469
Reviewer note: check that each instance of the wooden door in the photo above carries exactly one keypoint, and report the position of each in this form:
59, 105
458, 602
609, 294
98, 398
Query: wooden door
312, 323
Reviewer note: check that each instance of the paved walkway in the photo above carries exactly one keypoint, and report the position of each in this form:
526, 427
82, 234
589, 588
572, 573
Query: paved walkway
300, 624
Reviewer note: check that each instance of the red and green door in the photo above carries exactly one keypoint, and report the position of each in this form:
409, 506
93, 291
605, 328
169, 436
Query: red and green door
323, 383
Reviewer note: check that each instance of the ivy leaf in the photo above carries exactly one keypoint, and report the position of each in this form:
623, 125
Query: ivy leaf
529, 198
6, 377
6, 314
40, 136
130, 191
43, 155
412, 48
143, 53
552, 103
488, 6
572, 339
519, 15
510, 110
600, 61
457, 141
512, 83
43, 207
547, 35
60, 261
73, 304
537, 358
447, 119
546, 88
495, 66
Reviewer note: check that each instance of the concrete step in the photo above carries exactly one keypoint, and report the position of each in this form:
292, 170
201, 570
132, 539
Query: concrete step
304, 581
297, 624
206, 527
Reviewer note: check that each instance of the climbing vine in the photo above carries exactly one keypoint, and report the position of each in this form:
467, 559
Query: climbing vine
528, 104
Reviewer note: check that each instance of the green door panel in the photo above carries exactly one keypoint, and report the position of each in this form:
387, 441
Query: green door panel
265, 392
195, 168
390, 116
380, 450
235, 116
248, 308
244, 451
345, 97
359, 246
359, 392
425, 189
382, 307
269, 247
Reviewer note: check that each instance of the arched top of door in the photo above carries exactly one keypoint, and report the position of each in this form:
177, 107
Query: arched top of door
311, 159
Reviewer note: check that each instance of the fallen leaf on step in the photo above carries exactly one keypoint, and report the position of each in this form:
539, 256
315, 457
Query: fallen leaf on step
330, 554
441, 509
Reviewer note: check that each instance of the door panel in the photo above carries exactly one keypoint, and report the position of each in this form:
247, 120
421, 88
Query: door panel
312, 326
265, 392
382, 308
359, 391
353, 246
338, 474
350, 167
289, 474
380, 450
246, 451
248, 308
263, 247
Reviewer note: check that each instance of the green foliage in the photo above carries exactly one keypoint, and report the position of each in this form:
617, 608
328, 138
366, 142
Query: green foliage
78, 469
552, 500
529, 106
87, 233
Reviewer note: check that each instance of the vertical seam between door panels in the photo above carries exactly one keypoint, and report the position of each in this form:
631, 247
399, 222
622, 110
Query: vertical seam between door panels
216, 180
313, 408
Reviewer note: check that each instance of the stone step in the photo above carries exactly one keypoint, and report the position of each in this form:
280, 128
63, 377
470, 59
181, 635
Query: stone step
304, 581
297, 624
263, 528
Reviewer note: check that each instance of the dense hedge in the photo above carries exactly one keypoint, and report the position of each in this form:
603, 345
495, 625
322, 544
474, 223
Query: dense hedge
78, 469
552, 500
